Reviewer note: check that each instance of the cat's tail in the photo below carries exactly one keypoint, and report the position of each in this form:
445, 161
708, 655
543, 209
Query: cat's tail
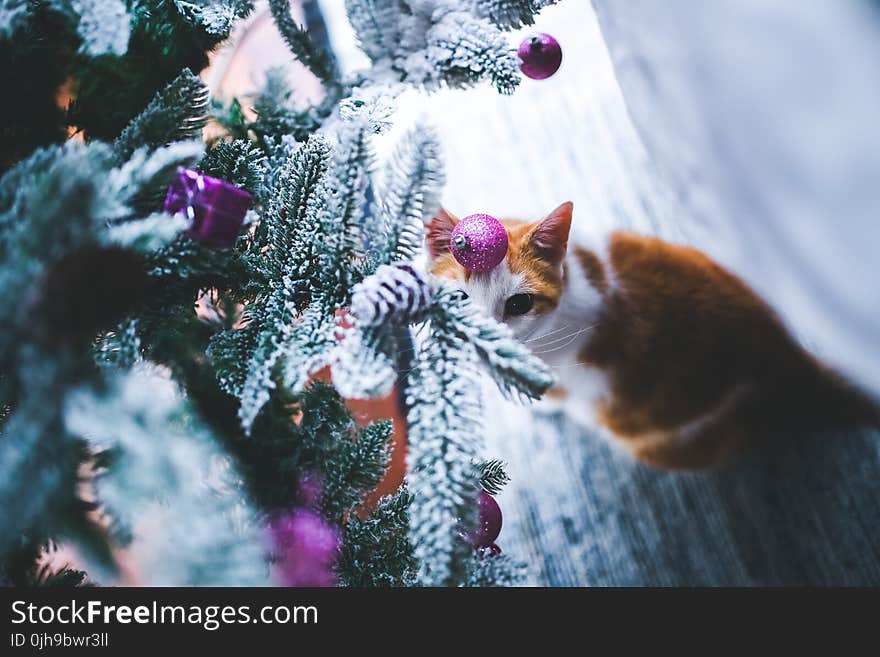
834, 403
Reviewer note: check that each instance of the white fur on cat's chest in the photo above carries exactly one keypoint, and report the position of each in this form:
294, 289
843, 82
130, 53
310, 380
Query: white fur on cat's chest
582, 387
560, 342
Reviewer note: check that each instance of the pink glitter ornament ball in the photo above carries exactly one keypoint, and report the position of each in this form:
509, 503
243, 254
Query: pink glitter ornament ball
541, 56
489, 523
306, 548
479, 242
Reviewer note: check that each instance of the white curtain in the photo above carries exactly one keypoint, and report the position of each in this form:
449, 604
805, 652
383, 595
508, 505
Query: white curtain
762, 116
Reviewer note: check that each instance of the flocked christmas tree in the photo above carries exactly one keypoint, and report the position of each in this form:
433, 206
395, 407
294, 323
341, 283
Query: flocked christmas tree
168, 303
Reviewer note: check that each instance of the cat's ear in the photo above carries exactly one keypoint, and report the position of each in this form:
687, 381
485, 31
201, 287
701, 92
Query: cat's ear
549, 238
439, 231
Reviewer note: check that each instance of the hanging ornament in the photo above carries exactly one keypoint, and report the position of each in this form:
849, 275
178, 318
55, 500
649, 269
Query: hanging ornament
489, 522
478, 242
490, 550
215, 207
541, 56
306, 547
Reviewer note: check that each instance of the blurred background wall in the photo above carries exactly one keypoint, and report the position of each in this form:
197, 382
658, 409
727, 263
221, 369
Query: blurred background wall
761, 115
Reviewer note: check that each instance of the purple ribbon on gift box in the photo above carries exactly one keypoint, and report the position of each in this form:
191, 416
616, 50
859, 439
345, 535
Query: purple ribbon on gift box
215, 207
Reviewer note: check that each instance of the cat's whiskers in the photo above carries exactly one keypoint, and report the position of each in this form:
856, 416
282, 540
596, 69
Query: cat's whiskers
577, 363
531, 321
566, 339
529, 337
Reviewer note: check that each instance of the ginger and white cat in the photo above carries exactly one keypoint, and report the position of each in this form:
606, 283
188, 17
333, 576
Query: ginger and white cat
673, 354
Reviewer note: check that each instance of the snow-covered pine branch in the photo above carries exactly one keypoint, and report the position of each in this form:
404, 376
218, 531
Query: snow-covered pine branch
484, 570
410, 196
432, 43
365, 360
443, 400
511, 14
442, 397
214, 17
348, 178
177, 113
318, 61
493, 476
290, 317
393, 294
376, 551
290, 229
104, 26
165, 482
76, 216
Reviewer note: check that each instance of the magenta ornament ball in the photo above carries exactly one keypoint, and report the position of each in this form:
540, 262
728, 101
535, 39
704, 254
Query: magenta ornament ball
478, 242
540, 55
306, 547
489, 523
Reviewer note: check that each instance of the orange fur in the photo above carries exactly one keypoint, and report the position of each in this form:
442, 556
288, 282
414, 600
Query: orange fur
689, 347
698, 367
543, 279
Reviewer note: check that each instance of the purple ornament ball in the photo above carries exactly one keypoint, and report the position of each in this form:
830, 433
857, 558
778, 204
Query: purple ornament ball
489, 523
306, 547
541, 56
479, 242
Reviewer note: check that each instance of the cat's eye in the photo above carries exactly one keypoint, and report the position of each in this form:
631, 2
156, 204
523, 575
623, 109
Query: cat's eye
519, 304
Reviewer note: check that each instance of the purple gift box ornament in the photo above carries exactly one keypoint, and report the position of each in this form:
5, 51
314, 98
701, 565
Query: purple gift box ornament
215, 207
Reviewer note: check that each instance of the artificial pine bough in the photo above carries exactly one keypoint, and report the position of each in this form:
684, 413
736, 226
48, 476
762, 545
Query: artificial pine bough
442, 397
157, 386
